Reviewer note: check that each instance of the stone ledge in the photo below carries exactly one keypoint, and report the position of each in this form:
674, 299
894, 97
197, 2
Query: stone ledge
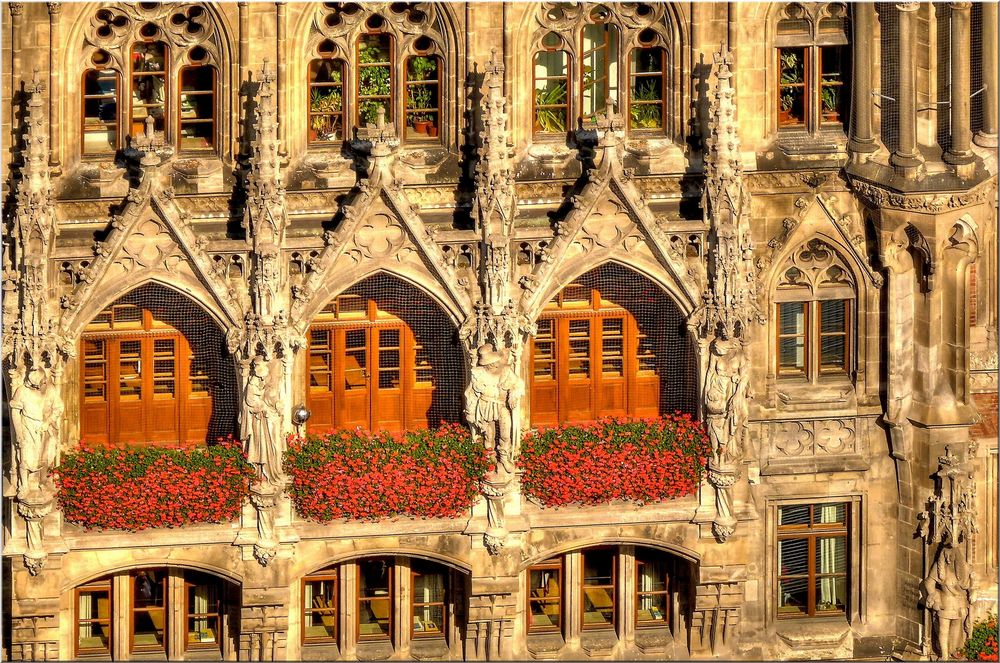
545, 646
598, 643
653, 640
815, 464
827, 634
320, 652
432, 649
374, 651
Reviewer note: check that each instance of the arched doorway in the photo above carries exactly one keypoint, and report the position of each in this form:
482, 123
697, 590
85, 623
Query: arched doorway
383, 356
611, 343
154, 370
160, 612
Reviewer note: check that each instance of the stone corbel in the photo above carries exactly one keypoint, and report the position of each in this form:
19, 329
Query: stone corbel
33, 508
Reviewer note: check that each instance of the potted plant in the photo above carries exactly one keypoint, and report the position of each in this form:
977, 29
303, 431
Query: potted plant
326, 110
420, 98
646, 116
791, 73
421, 68
550, 120
831, 103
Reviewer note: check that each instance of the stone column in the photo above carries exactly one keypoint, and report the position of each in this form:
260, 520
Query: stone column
16, 18
905, 158
960, 151
282, 18
987, 135
862, 138
55, 42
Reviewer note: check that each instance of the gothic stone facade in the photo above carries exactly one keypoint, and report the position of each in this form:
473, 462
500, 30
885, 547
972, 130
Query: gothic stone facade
811, 204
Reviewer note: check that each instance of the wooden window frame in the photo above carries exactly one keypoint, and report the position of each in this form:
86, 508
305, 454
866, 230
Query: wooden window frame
633, 78
165, 74
443, 629
557, 565
215, 597
215, 110
164, 588
310, 86
812, 41
639, 594
437, 83
390, 99
843, 84
391, 598
105, 584
811, 533
805, 86
568, 78
813, 370
609, 57
83, 112
332, 576
584, 626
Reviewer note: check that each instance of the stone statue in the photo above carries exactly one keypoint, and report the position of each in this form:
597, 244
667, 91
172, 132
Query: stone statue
726, 399
492, 387
260, 428
949, 587
35, 415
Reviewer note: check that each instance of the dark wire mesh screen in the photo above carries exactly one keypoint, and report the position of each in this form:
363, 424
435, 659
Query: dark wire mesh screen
664, 338
976, 63
155, 369
942, 108
384, 356
888, 17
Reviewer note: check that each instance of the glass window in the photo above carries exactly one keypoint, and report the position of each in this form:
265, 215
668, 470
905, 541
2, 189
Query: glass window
319, 599
149, 610
545, 597
791, 338
197, 112
93, 618
203, 612
428, 593
647, 87
423, 97
833, 316
374, 89
100, 108
326, 99
832, 91
149, 92
551, 71
598, 64
652, 588
812, 560
599, 582
375, 599
792, 97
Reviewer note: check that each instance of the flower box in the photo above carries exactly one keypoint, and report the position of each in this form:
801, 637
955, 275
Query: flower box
640, 461
982, 646
137, 488
355, 475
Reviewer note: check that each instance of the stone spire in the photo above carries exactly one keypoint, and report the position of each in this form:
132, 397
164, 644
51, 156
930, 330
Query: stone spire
264, 181
384, 141
495, 201
610, 127
723, 321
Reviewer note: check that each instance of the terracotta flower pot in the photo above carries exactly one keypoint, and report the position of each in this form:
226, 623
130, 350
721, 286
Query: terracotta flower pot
432, 130
420, 126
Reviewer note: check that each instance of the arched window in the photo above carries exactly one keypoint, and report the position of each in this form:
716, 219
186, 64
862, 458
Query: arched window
197, 103
149, 63
592, 578
392, 60
161, 61
154, 372
370, 596
375, 65
151, 605
617, 46
326, 97
383, 356
551, 75
813, 65
609, 344
814, 310
100, 106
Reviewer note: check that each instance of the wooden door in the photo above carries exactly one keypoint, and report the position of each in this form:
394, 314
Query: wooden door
320, 380
195, 394
577, 369
544, 374
94, 391
645, 394
353, 390
128, 422
387, 385
162, 411
418, 382
610, 392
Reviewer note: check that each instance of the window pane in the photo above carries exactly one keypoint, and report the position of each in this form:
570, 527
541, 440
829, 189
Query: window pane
832, 88
792, 318
793, 596
598, 588
831, 594
374, 77
94, 619
203, 615
428, 600
792, 86
793, 353
326, 100
374, 604
833, 315
831, 554
797, 515
545, 591
551, 97
651, 588
793, 557
829, 513
832, 351
321, 608
600, 67
149, 613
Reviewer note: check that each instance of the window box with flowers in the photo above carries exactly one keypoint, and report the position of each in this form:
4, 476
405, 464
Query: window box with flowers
137, 488
354, 475
640, 461
982, 645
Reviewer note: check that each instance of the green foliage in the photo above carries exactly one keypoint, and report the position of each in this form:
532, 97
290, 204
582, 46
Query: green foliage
982, 644
331, 102
791, 68
374, 81
550, 120
831, 98
368, 110
646, 116
372, 52
421, 67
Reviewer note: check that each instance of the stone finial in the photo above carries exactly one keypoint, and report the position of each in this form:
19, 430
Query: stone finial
150, 144
265, 178
722, 147
35, 171
382, 135
494, 181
